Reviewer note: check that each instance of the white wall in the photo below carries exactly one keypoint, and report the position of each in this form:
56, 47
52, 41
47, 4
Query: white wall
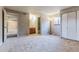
45, 25
0, 25
23, 25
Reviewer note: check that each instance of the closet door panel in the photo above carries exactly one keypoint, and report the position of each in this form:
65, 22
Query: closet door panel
77, 25
64, 25
71, 25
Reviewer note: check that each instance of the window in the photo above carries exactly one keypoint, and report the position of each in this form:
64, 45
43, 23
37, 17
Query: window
57, 20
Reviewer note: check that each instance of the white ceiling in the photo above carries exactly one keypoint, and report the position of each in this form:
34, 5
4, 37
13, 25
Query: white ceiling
38, 9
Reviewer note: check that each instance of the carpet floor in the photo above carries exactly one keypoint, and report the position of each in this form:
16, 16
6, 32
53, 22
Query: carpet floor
39, 43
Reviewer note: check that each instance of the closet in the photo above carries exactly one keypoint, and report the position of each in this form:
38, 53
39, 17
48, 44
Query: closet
70, 23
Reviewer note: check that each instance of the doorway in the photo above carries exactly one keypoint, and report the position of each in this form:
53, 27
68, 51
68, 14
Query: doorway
12, 25
34, 24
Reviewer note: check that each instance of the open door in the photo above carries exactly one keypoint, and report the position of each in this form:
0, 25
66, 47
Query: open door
4, 25
38, 25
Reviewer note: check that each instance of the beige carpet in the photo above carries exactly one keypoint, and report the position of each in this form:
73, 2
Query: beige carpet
38, 43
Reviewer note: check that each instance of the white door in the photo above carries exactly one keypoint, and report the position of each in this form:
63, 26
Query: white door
5, 25
72, 25
77, 25
64, 25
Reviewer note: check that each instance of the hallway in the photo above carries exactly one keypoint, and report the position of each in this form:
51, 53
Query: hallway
39, 43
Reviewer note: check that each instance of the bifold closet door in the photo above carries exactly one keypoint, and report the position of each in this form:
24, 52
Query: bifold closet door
71, 25
77, 25
64, 25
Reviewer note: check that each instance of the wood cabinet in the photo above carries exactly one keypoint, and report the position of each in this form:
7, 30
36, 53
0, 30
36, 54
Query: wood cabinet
32, 30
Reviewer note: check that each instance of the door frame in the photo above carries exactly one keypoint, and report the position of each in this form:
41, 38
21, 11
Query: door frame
39, 25
3, 25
